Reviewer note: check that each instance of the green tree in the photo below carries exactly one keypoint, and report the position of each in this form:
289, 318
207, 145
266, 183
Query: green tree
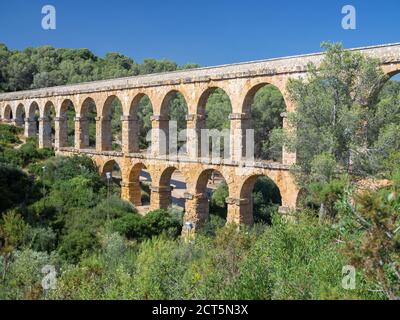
268, 104
373, 222
15, 187
332, 108
218, 108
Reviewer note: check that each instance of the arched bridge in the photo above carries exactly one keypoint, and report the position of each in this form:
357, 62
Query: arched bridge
240, 82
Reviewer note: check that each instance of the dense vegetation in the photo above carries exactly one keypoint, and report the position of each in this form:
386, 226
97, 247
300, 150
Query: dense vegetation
65, 216
47, 66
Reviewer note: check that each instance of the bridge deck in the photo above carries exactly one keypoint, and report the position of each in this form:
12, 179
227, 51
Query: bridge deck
258, 164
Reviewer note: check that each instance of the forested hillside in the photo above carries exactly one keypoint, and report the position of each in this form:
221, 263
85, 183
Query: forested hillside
47, 66
59, 211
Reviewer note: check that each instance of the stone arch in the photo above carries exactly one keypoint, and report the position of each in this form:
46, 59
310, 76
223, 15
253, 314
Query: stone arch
109, 165
7, 113
161, 194
250, 94
217, 132
269, 95
133, 186
86, 104
167, 99
47, 125
65, 104
110, 119
33, 110
32, 120
134, 105
202, 180
134, 125
248, 186
85, 128
19, 115
166, 175
205, 95
112, 166
48, 109
166, 116
390, 73
391, 70
65, 128
106, 109
244, 205
198, 203
135, 170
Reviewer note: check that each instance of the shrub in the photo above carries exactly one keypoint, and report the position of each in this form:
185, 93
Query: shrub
160, 221
159, 270
156, 222
25, 154
374, 242
58, 169
266, 200
15, 186
327, 194
294, 261
77, 192
13, 230
77, 242
81, 227
42, 239
12, 156
9, 134
130, 226
24, 275
213, 223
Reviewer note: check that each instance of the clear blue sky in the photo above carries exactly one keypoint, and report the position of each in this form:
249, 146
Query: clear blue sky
201, 31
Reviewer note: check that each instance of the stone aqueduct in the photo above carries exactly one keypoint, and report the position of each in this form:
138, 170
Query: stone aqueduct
239, 81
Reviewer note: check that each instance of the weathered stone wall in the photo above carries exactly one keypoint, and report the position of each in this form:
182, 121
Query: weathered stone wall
240, 181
